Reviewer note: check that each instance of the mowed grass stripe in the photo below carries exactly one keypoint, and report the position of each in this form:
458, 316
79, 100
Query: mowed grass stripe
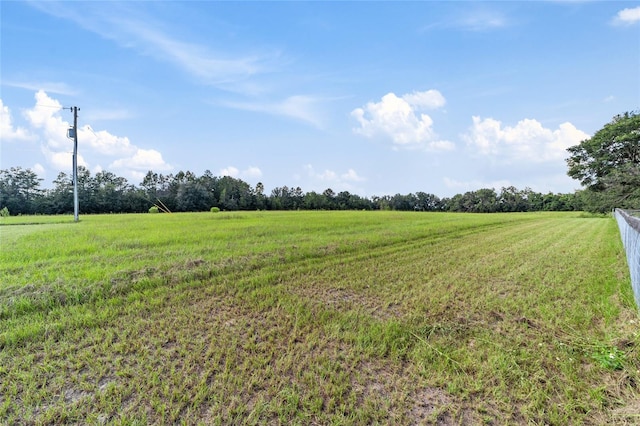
69, 268
328, 334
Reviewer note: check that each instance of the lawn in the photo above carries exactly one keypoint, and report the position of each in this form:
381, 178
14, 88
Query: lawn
317, 318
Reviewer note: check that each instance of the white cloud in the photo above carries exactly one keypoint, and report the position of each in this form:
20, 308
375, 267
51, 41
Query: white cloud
45, 117
527, 141
47, 124
398, 118
229, 171
105, 143
429, 99
7, 131
473, 185
326, 175
62, 161
38, 169
339, 181
351, 176
628, 16
142, 160
251, 172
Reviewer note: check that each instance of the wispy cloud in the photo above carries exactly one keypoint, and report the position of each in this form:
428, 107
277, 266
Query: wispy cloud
299, 107
108, 115
129, 25
47, 86
475, 19
482, 21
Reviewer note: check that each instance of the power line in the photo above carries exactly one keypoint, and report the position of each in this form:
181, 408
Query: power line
51, 106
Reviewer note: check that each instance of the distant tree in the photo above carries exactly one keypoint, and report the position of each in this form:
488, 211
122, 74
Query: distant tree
343, 200
402, 202
108, 193
381, 202
192, 197
359, 203
233, 194
513, 200
314, 201
60, 198
609, 162
20, 190
329, 196
260, 199
151, 184
427, 202
535, 200
280, 198
483, 200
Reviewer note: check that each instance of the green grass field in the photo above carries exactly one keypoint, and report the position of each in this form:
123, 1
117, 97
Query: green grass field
317, 318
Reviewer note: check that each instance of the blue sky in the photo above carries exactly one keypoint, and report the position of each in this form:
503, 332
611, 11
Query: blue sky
374, 98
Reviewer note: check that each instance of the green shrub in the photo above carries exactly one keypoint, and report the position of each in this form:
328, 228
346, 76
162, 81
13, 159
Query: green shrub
154, 209
4, 212
215, 209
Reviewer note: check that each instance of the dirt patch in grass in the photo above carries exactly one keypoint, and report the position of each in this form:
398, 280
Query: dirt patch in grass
627, 415
345, 299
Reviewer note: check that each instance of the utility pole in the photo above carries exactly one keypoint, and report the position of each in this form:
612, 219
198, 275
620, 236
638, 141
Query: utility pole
74, 131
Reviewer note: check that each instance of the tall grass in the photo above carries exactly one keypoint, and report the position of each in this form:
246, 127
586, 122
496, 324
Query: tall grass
317, 317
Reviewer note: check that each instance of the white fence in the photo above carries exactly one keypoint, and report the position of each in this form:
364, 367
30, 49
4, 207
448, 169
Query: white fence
629, 224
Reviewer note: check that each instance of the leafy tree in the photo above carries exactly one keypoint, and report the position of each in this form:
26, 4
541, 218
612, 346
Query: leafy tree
19, 190
232, 194
343, 200
192, 197
280, 198
314, 201
622, 190
428, 202
60, 198
108, 193
403, 202
609, 162
329, 196
483, 200
513, 200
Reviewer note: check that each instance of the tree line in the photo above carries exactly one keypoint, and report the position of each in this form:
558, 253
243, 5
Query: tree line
607, 165
104, 192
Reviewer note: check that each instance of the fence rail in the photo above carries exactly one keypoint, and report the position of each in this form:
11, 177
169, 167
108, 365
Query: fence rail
629, 224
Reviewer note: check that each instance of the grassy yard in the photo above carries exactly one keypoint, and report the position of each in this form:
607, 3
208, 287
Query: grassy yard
317, 318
